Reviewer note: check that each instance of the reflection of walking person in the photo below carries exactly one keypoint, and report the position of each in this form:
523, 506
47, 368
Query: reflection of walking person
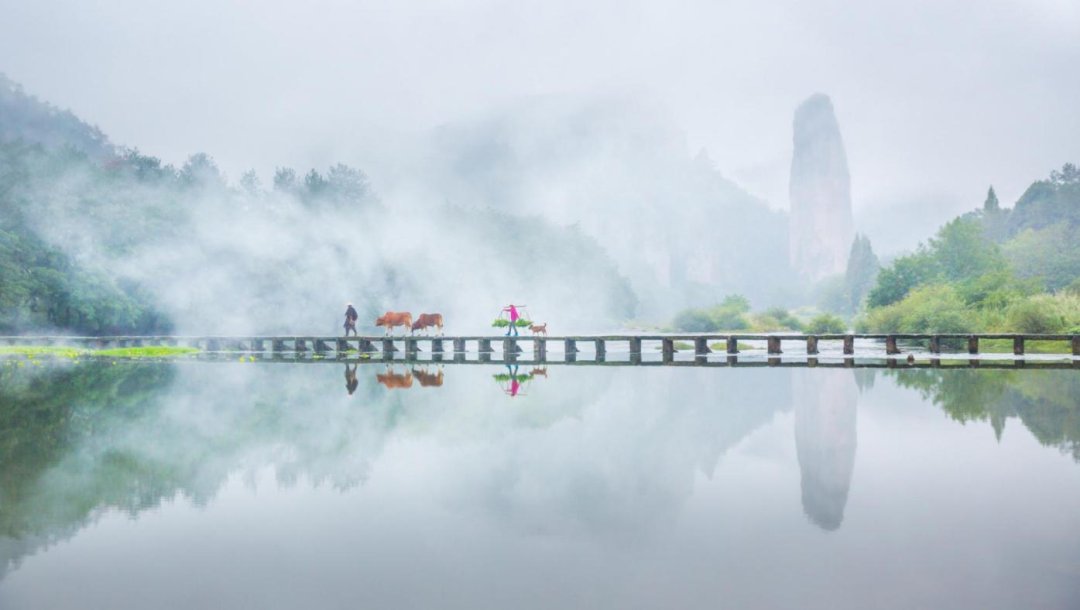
350, 378
350, 320
515, 386
513, 320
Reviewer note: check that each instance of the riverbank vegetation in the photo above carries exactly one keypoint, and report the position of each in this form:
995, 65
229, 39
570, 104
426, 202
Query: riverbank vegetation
53, 351
990, 270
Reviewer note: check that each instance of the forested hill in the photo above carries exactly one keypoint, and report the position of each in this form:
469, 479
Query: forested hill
994, 269
25, 117
128, 244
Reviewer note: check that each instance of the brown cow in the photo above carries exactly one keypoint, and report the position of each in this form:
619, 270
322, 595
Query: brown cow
391, 319
539, 329
427, 380
393, 381
427, 320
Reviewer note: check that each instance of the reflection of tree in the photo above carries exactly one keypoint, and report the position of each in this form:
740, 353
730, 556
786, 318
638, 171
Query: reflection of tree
1044, 401
43, 414
825, 438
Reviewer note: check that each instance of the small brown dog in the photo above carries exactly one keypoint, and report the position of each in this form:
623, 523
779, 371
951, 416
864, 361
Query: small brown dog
539, 329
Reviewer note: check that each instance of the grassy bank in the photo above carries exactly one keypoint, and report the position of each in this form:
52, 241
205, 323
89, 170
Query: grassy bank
50, 351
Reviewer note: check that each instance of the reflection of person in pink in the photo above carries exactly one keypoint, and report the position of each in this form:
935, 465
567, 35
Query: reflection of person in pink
513, 319
515, 385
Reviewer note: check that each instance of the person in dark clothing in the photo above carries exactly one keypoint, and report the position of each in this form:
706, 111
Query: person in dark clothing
350, 320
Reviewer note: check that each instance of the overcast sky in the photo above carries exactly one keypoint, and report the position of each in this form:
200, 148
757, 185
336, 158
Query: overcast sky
936, 98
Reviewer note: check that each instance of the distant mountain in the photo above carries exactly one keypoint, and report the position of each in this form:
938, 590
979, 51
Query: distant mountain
620, 170
25, 117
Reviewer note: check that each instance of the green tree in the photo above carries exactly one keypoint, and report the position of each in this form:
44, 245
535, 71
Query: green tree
862, 270
991, 204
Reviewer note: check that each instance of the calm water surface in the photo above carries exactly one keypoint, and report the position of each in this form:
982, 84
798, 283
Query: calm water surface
263, 485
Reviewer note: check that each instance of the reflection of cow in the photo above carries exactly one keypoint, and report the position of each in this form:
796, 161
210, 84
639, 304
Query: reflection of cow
391, 319
540, 371
427, 380
394, 381
427, 320
539, 329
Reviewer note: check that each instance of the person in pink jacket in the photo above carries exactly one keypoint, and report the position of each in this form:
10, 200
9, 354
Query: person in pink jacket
512, 310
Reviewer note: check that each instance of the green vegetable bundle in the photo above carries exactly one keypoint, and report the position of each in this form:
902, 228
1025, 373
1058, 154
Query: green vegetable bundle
503, 323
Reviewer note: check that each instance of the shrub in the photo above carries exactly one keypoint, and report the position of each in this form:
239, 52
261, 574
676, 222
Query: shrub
935, 308
694, 320
825, 324
1044, 313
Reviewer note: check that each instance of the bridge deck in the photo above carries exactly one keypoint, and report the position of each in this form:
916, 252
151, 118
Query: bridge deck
669, 343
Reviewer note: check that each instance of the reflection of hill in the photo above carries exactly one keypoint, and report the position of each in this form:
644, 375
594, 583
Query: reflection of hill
43, 416
606, 449
1044, 401
825, 439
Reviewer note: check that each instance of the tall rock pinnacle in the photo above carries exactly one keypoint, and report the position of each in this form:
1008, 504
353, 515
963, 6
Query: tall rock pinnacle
822, 228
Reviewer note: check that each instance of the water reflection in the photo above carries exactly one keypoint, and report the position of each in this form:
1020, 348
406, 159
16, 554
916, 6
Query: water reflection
825, 439
619, 455
428, 379
395, 381
351, 382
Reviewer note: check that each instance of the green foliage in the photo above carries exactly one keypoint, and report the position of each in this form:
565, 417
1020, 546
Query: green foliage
936, 308
899, 278
775, 319
503, 323
862, 270
991, 204
1044, 313
1050, 255
695, 321
826, 323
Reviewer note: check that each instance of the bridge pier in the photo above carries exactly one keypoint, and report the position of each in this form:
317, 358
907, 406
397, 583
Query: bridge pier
935, 344
701, 346
459, 346
811, 345
1018, 346
732, 345
774, 345
667, 349
540, 350
890, 345
635, 346
1076, 345
849, 345
570, 346
973, 344
601, 350
436, 346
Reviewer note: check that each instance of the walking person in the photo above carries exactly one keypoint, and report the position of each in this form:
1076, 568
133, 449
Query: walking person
350, 320
512, 310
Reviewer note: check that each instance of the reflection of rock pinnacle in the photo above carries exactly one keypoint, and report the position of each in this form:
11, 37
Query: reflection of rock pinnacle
821, 227
825, 438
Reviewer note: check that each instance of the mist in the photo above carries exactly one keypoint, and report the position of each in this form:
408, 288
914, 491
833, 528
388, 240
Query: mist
655, 138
